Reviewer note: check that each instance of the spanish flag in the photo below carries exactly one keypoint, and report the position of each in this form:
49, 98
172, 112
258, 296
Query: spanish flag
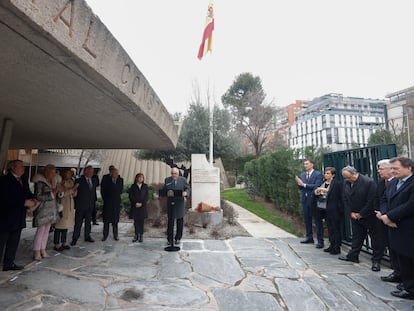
208, 33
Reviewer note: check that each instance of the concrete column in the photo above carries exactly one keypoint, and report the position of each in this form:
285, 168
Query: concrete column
5, 136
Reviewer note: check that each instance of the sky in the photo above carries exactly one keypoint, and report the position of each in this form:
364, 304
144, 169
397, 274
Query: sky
301, 49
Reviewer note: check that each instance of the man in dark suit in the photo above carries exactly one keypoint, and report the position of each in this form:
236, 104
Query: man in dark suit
397, 212
15, 199
359, 197
84, 202
175, 205
386, 175
307, 182
111, 189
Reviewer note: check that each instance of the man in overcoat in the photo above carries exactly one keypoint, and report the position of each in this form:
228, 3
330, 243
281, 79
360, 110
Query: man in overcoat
111, 189
16, 197
359, 196
84, 203
175, 204
397, 212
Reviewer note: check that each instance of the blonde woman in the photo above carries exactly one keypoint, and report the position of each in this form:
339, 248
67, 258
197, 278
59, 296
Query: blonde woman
47, 190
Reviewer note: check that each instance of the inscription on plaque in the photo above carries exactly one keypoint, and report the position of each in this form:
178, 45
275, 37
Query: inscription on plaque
204, 175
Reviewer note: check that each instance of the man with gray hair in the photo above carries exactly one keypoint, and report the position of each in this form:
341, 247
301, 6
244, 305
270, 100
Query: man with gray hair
386, 175
359, 201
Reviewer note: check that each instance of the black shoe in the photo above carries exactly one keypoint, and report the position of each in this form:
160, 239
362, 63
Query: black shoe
376, 266
95, 224
140, 240
13, 267
335, 252
135, 239
104, 238
177, 242
169, 243
66, 246
402, 294
307, 241
319, 245
328, 249
116, 238
58, 249
73, 243
89, 239
400, 286
393, 278
345, 258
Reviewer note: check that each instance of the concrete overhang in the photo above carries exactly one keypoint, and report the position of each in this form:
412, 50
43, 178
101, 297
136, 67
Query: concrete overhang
65, 82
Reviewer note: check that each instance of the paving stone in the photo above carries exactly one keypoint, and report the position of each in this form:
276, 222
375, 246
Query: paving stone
260, 284
262, 262
217, 245
330, 295
64, 287
288, 253
171, 265
372, 282
357, 295
240, 243
222, 267
233, 299
159, 308
163, 293
192, 246
297, 295
287, 272
204, 281
12, 294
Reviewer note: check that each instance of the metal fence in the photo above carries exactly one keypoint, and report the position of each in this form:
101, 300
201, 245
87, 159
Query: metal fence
365, 161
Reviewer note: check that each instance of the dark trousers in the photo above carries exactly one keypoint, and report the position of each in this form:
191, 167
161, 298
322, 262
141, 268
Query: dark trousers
360, 230
407, 272
93, 215
334, 233
319, 225
170, 229
139, 226
59, 236
307, 218
394, 262
81, 215
9, 241
114, 229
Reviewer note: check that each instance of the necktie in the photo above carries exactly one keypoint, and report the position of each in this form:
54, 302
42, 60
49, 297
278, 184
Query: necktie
114, 180
307, 177
89, 183
20, 181
400, 183
386, 182
174, 183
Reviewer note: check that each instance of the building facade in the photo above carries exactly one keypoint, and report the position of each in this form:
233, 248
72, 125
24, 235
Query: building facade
337, 122
400, 116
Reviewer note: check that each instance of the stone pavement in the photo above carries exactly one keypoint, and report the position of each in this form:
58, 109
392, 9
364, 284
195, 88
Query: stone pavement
242, 273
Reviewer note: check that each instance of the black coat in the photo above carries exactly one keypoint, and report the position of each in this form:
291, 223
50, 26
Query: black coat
111, 195
13, 196
334, 205
399, 207
86, 197
137, 195
361, 197
176, 205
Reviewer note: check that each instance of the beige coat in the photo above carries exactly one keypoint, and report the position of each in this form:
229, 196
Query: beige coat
68, 219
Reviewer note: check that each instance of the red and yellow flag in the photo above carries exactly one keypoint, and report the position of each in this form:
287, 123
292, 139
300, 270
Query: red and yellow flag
208, 33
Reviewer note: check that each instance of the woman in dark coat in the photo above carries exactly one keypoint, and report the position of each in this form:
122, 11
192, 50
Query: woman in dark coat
138, 195
332, 191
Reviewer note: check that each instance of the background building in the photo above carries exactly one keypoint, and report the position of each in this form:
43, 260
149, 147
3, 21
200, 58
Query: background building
400, 116
336, 122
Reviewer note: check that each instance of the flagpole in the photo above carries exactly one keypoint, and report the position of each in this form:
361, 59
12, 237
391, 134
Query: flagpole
211, 112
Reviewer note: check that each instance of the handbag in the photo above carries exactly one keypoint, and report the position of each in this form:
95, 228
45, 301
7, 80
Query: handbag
321, 203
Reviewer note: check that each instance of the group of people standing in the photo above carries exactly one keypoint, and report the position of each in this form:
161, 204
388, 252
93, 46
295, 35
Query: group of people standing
384, 211
64, 202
